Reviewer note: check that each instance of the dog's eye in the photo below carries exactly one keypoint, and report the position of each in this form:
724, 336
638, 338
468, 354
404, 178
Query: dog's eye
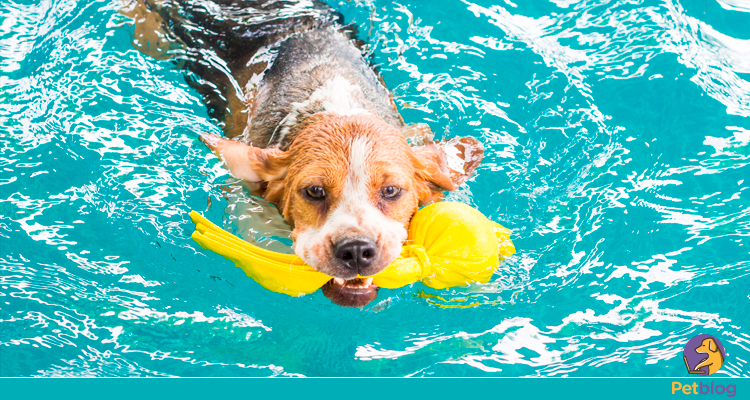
315, 192
390, 192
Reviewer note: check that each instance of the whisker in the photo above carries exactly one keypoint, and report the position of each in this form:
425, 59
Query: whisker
293, 260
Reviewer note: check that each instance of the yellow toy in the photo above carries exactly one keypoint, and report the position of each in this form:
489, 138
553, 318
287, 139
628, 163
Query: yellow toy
452, 244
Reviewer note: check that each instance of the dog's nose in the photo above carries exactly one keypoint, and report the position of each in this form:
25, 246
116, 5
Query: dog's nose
355, 254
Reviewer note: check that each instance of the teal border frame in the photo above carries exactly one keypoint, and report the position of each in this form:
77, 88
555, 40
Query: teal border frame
360, 388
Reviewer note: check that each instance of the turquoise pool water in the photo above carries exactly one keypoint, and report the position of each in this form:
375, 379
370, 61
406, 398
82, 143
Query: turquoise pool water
617, 139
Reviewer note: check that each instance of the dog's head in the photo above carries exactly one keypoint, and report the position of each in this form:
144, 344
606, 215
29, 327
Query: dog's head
349, 185
707, 346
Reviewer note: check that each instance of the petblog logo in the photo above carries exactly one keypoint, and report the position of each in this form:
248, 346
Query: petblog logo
703, 355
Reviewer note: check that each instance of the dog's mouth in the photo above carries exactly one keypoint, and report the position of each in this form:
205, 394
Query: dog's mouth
356, 292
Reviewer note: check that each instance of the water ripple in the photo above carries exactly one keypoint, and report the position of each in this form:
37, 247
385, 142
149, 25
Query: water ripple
616, 141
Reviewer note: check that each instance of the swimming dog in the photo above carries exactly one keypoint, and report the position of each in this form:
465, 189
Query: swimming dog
310, 127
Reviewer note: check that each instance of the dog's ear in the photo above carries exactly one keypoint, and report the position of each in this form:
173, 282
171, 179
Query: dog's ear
464, 155
712, 346
249, 163
432, 173
445, 166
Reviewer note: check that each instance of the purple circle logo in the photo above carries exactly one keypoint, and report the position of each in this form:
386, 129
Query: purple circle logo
703, 355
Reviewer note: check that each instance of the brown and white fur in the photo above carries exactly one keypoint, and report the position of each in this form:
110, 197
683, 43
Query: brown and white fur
319, 137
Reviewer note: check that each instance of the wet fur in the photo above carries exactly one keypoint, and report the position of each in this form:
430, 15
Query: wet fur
318, 116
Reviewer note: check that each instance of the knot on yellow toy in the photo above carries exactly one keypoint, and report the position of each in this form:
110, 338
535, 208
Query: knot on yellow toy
449, 244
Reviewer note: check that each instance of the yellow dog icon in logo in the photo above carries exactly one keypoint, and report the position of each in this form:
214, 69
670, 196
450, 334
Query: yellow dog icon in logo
715, 358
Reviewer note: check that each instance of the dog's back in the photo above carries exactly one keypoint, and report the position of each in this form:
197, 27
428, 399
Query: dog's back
257, 62
319, 64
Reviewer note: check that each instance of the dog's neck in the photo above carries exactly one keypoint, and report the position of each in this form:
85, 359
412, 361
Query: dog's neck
336, 96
